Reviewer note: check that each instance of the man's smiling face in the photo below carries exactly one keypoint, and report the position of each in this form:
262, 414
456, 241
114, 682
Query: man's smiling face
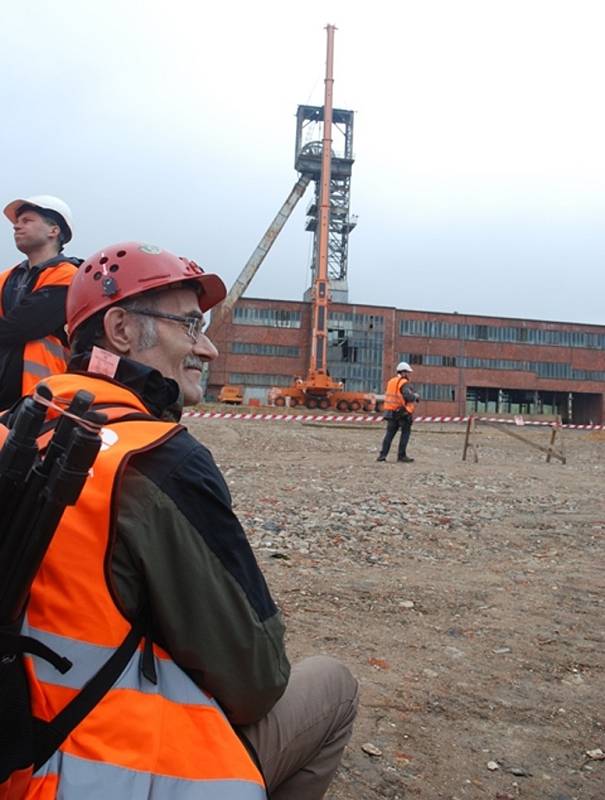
175, 352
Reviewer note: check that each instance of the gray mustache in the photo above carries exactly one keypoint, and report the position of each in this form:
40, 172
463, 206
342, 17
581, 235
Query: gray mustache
194, 361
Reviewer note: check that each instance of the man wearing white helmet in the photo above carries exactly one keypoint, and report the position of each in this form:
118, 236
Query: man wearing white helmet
399, 404
32, 296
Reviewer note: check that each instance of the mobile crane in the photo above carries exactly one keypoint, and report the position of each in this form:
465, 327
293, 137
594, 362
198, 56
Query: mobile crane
319, 389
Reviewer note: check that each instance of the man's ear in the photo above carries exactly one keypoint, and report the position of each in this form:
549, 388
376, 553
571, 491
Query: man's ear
121, 330
54, 231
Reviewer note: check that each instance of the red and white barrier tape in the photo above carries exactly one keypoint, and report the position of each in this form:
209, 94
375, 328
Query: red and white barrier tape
550, 424
362, 419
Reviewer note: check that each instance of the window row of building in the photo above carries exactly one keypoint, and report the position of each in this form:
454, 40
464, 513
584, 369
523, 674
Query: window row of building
357, 377
351, 350
259, 379
260, 349
349, 319
289, 318
543, 369
436, 391
495, 333
268, 317
517, 401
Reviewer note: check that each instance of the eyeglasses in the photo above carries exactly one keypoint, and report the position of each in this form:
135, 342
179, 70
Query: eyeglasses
194, 326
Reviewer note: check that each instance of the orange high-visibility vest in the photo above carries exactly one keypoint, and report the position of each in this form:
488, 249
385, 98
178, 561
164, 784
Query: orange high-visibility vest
393, 399
165, 740
46, 356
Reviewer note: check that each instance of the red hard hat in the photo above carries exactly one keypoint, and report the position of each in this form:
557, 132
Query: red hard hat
127, 269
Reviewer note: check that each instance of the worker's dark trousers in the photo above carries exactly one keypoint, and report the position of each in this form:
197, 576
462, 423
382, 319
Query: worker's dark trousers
403, 421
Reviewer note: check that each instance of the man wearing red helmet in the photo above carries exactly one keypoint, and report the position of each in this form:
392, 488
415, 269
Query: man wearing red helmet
32, 296
209, 708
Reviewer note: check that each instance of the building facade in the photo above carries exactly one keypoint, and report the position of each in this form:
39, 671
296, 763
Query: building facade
461, 362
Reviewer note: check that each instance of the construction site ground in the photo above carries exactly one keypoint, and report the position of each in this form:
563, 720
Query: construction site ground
466, 598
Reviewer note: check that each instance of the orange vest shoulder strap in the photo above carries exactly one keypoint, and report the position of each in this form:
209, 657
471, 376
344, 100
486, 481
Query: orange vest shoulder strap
3, 278
113, 414
58, 275
394, 384
106, 393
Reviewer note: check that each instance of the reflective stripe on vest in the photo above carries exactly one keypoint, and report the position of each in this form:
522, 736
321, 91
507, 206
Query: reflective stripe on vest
37, 371
168, 739
46, 356
41, 358
87, 659
103, 781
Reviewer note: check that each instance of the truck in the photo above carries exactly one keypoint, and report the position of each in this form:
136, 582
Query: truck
320, 391
232, 395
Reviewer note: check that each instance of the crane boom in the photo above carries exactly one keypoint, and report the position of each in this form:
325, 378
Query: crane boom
321, 287
256, 259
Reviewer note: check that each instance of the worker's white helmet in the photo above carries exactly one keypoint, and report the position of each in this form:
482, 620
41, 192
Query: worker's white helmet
45, 202
403, 366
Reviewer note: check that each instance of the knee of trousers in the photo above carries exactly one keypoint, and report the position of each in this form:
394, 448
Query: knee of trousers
334, 678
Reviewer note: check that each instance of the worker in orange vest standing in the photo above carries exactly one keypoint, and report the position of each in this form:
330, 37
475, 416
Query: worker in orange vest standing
208, 705
399, 405
33, 343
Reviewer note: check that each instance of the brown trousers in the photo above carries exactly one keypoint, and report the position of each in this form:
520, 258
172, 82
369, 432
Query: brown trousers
301, 740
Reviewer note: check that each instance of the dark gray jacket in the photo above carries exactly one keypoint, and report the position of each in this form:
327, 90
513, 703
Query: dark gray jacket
180, 551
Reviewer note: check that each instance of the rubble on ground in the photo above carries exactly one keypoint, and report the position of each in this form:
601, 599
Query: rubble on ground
467, 599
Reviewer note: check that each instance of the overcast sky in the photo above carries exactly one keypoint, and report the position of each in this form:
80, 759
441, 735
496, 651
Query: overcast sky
479, 178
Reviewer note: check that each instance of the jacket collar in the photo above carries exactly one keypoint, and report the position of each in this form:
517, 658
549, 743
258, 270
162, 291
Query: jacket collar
162, 396
52, 262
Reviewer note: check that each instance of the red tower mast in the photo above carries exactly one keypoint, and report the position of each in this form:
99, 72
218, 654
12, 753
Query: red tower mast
319, 389
321, 287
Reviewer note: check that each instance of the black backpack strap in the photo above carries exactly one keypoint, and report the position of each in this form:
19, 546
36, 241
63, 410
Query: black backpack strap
48, 736
14, 644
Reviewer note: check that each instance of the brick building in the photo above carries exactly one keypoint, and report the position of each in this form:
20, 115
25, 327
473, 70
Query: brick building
461, 362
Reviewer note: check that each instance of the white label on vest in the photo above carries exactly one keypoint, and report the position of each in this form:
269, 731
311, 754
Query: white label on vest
108, 437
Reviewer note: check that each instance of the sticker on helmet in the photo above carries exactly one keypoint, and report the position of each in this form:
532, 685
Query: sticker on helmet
150, 249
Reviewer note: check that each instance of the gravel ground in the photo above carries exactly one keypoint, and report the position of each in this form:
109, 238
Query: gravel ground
466, 598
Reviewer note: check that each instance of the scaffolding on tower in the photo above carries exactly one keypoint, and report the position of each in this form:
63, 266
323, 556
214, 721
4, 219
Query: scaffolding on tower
309, 159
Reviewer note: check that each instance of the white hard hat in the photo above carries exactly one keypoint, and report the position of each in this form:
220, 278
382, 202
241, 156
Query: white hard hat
403, 366
45, 202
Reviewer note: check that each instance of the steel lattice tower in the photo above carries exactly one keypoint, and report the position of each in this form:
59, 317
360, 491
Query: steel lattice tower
308, 152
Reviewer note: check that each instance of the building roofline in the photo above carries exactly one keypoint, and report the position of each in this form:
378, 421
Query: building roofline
464, 314
457, 314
